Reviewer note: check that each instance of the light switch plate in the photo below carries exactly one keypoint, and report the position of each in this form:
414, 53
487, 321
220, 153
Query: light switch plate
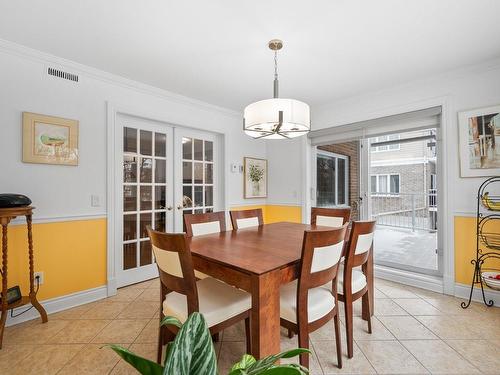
95, 201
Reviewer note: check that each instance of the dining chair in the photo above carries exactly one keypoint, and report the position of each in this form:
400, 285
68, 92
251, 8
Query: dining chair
181, 294
352, 281
207, 223
306, 305
330, 217
246, 218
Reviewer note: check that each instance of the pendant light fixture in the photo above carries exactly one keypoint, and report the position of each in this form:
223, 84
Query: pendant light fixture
276, 118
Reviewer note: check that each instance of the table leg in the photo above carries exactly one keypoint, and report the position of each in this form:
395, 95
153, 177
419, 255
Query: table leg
265, 317
371, 287
33, 299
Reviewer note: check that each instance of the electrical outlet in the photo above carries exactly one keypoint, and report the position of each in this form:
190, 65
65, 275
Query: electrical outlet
40, 277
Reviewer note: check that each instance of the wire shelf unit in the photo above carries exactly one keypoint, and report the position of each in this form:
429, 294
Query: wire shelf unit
487, 239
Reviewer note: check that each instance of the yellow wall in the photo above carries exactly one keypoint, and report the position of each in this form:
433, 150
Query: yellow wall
283, 213
71, 254
276, 213
465, 249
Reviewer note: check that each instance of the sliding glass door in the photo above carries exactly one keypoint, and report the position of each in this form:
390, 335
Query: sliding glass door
402, 198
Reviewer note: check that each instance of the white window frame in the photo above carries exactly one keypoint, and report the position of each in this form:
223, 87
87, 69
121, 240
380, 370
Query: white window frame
346, 182
388, 194
385, 138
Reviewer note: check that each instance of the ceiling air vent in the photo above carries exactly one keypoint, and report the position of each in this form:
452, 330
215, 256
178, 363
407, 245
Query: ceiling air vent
62, 74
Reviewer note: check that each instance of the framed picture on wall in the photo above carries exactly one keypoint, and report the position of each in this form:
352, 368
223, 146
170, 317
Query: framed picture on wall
49, 139
479, 131
255, 175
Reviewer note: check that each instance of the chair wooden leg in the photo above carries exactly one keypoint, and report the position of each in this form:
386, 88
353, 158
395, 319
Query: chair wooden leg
304, 344
161, 334
248, 335
166, 336
290, 333
348, 325
366, 300
338, 340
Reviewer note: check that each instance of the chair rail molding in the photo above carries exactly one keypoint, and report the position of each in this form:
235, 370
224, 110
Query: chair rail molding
58, 219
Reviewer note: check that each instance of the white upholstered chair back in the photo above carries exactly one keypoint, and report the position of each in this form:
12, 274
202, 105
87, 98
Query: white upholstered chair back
210, 227
329, 221
248, 222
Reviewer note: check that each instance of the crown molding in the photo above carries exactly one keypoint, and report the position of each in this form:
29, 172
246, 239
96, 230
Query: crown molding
22, 51
444, 77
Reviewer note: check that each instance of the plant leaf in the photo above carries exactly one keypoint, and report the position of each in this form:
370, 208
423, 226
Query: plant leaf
244, 362
192, 352
143, 365
290, 369
268, 362
171, 320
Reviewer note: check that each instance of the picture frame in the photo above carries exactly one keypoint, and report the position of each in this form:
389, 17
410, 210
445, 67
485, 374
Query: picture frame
479, 150
49, 139
255, 178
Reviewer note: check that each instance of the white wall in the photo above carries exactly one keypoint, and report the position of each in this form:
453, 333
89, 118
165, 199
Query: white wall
62, 191
461, 90
285, 171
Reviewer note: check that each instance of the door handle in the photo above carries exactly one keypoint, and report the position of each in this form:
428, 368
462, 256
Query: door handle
180, 207
169, 208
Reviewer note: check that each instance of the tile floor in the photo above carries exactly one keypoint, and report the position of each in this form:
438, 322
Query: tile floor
414, 332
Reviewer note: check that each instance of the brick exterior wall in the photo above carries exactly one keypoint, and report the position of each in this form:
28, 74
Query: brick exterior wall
413, 178
351, 150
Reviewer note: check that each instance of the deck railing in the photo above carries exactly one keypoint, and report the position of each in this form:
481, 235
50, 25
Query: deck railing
405, 210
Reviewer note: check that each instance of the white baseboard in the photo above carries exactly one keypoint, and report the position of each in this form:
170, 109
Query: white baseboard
112, 287
435, 284
57, 304
463, 291
417, 280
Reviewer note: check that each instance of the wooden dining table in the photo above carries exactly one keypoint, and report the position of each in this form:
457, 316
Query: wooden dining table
258, 260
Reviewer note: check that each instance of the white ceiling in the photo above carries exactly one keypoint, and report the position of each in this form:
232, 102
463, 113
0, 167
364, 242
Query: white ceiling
216, 50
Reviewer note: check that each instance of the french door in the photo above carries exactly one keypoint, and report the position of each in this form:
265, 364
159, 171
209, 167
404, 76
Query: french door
164, 172
195, 173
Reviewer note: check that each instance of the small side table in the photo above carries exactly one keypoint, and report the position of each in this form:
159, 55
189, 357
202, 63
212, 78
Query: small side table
6, 215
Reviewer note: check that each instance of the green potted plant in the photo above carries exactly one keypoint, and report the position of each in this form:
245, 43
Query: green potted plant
192, 353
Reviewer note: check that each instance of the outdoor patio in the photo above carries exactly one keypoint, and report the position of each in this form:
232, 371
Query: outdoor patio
403, 246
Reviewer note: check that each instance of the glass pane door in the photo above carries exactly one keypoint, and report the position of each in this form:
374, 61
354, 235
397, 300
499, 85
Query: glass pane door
197, 183
147, 164
403, 200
